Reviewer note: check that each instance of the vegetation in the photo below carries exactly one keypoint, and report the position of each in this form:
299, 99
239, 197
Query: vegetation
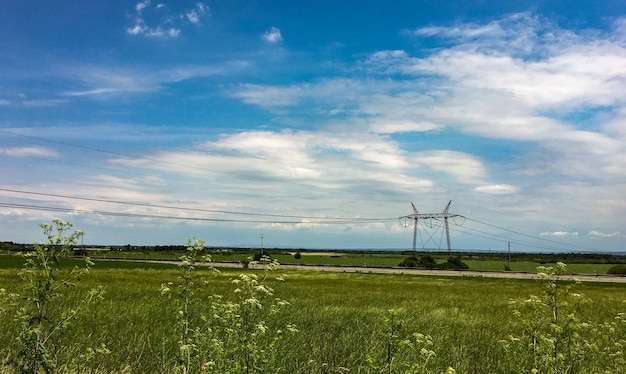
429, 262
617, 270
189, 318
42, 315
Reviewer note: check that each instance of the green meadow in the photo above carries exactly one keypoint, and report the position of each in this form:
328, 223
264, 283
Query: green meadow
526, 263
342, 322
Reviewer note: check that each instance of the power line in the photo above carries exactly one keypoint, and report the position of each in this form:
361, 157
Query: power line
505, 239
351, 219
531, 236
329, 220
302, 219
126, 155
157, 216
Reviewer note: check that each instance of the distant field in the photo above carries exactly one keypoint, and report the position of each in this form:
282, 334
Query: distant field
358, 259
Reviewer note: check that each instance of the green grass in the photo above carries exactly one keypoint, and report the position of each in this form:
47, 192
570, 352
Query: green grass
531, 267
338, 314
332, 258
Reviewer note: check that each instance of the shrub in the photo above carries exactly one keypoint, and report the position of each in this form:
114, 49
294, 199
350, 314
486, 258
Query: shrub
617, 270
428, 262
424, 261
455, 263
258, 257
410, 262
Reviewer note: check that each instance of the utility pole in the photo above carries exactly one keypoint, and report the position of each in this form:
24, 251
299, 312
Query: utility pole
262, 250
508, 266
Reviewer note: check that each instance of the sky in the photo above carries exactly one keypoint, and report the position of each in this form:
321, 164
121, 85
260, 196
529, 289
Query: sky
316, 124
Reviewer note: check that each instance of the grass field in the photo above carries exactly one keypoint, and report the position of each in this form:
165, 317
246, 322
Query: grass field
340, 317
358, 259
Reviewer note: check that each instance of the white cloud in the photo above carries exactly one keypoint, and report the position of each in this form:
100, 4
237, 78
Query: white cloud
322, 171
268, 96
464, 32
4, 102
272, 35
513, 101
138, 28
552, 98
29, 152
464, 167
497, 189
43, 102
103, 81
559, 233
140, 6
167, 25
194, 15
601, 234
393, 127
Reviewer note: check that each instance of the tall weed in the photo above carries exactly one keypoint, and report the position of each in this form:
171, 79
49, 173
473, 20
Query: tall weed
226, 334
554, 339
44, 312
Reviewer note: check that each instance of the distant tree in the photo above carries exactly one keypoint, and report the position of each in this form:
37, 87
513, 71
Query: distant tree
410, 262
424, 261
455, 263
617, 270
428, 262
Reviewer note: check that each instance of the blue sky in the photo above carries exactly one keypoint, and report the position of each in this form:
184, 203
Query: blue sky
315, 124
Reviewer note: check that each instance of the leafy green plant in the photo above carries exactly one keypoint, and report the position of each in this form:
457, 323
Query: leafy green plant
401, 353
222, 335
44, 313
190, 353
252, 337
552, 329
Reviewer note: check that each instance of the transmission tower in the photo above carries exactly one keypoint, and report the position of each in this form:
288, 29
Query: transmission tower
416, 216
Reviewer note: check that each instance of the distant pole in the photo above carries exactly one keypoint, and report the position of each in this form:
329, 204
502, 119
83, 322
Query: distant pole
262, 250
509, 259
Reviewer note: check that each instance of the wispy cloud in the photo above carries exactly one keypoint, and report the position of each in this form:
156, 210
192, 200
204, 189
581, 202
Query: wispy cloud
44, 102
601, 234
559, 233
195, 15
28, 152
272, 35
157, 21
94, 80
497, 189
552, 98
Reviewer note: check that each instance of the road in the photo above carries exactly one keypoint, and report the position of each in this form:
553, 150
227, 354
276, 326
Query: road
408, 271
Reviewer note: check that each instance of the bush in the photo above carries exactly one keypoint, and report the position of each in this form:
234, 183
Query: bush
424, 261
410, 262
455, 263
428, 262
261, 256
617, 270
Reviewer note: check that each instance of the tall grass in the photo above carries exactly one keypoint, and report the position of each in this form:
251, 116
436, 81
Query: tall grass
340, 318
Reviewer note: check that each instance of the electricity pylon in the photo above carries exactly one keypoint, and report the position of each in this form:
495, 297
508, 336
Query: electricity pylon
443, 215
